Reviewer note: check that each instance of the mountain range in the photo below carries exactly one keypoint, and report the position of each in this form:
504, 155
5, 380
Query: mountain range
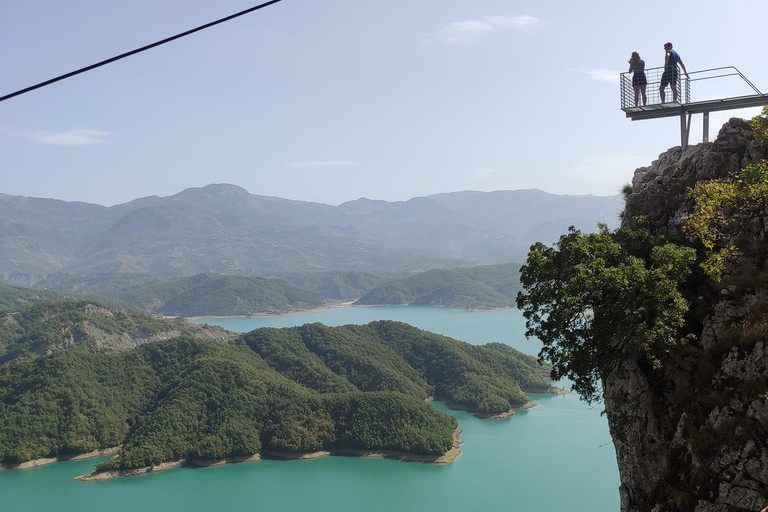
225, 229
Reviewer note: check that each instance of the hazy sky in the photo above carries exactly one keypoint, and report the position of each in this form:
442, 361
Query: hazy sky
339, 99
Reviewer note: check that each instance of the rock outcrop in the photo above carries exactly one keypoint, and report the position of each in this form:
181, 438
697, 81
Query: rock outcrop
693, 435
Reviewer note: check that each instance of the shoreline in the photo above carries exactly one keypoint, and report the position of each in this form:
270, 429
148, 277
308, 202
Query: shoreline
330, 305
316, 309
44, 461
439, 306
446, 458
98, 476
479, 414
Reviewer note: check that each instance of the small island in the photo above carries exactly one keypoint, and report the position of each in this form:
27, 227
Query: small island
76, 377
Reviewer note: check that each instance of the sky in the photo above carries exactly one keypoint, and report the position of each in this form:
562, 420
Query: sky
334, 100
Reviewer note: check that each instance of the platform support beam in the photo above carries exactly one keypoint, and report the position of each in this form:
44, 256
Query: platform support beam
705, 138
685, 128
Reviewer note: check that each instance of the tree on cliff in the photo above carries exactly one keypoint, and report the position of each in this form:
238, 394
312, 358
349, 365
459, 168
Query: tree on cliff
727, 207
598, 299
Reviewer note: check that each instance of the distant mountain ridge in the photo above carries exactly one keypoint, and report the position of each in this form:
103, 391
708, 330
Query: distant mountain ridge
225, 229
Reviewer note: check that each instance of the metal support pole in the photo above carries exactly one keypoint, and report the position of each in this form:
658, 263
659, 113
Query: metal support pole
684, 129
706, 127
688, 129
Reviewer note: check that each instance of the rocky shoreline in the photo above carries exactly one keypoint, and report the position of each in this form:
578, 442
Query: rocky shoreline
35, 463
96, 476
265, 314
446, 458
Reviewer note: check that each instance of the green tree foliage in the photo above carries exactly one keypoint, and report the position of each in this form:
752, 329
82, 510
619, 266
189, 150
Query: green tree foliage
597, 300
760, 124
485, 378
69, 403
724, 209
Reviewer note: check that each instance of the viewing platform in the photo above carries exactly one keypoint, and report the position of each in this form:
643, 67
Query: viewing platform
684, 107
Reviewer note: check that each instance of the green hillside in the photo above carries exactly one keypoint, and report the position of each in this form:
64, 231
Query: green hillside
12, 297
202, 294
484, 287
86, 326
343, 285
290, 390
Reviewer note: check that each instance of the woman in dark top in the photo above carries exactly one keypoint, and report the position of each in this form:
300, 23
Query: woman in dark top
639, 82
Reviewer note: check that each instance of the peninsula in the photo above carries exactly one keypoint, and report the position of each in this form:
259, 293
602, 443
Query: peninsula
77, 377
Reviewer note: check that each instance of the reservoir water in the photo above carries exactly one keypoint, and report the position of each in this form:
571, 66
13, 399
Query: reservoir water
556, 456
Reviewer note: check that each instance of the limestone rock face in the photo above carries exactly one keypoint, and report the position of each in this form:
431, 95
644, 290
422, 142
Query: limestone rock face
659, 192
693, 435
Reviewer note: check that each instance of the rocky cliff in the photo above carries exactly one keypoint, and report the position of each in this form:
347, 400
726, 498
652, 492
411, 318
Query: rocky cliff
692, 435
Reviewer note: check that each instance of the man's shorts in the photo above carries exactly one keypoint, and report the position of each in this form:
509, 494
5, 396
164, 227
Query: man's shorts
669, 76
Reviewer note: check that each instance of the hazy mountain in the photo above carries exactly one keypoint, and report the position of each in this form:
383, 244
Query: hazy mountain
224, 229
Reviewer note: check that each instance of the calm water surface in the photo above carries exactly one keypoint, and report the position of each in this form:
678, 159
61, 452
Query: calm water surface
554, 457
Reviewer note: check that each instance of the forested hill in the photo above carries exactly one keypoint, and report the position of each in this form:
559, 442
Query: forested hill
290, 390
12, 297
336, 285
484, 287
87, 327
225, 229
202, 294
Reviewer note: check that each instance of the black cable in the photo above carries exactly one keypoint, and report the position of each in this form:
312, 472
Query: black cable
138, 50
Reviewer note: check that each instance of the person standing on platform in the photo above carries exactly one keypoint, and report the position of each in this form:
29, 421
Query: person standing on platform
639, 82
670, 75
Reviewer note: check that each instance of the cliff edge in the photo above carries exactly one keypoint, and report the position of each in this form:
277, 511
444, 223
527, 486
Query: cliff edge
692, 434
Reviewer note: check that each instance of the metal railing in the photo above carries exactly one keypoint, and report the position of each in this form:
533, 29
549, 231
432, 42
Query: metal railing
653, 77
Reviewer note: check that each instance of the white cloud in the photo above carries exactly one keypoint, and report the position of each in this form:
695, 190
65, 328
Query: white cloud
322, 163
602, 75
72, 137
483, 172
471, 31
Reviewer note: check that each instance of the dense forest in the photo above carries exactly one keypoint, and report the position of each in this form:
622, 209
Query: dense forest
289, 390
484, 287
202, 294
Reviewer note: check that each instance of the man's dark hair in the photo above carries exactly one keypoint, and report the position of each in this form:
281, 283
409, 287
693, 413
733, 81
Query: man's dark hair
668, 44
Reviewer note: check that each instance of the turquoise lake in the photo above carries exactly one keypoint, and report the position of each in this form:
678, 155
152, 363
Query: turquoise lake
557, 456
